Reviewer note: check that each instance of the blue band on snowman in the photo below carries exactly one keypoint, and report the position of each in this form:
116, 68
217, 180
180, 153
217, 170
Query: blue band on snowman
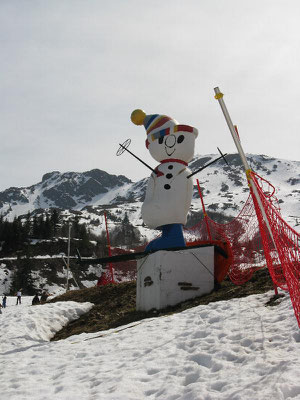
169, 191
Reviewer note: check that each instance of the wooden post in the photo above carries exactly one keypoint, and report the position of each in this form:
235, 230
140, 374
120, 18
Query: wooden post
204, 210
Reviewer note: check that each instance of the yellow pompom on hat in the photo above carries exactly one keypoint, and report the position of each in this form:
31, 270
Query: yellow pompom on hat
138, 116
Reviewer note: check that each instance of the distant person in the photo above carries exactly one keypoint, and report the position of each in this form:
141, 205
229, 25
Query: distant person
35, 300
44, 297
19, 296
0, 308
4, 301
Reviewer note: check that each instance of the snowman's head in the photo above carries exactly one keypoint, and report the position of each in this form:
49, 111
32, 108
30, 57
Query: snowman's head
166, 139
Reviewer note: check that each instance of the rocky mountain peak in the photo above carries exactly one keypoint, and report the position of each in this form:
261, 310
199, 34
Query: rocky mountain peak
50, 175
224, 187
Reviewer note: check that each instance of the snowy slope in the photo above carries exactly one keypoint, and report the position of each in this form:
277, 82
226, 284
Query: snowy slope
228, 350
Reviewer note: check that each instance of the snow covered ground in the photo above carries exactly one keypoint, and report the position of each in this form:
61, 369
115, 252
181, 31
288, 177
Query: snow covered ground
235, 350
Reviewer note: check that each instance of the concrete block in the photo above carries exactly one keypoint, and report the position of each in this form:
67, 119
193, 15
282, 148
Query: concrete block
166, 278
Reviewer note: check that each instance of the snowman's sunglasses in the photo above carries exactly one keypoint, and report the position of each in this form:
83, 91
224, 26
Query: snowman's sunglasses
166, 131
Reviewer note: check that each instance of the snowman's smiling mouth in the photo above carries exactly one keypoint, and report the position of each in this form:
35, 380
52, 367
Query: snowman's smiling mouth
171, 152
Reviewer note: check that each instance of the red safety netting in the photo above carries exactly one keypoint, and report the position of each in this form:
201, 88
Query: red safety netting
256, 238
280, 241
242, 239
122, 270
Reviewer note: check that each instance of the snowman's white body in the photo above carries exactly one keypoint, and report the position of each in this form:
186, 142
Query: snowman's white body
168, 196
169, 192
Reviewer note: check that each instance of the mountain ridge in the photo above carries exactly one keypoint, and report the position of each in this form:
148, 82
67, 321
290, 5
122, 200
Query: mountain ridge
224, 188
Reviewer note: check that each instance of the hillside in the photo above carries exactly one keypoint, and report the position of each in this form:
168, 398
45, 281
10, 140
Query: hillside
114, 305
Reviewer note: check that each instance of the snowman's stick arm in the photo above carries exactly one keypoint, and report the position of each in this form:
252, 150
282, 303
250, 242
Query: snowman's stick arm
206, 165
148, 166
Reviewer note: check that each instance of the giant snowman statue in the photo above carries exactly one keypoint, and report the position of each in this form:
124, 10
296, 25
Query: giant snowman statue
169, 191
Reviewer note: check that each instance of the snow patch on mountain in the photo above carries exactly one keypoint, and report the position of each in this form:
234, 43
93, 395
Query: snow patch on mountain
224, 188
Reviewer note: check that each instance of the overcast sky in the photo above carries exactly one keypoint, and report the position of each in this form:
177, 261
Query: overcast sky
72, 71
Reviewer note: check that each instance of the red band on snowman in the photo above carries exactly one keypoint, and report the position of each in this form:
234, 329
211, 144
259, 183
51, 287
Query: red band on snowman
166, 131
174, 160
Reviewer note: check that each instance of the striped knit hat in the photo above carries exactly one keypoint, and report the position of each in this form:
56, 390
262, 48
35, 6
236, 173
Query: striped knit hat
157, 125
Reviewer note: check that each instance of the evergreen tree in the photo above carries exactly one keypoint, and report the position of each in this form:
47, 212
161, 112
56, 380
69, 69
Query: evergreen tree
125, 220
27, 226
126, 234
12, 234
55, 221
22, 278
76, 227
47, 228
64, 231
84, 234
35, 228
17, 234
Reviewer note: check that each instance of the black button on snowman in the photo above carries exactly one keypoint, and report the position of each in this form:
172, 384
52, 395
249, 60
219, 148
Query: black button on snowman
169, 191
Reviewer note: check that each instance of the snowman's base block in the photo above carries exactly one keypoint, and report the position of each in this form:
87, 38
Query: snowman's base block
167, 278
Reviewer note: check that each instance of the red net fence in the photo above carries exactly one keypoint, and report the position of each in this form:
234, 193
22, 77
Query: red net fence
280, 241
256, 238
121, 271
240, 237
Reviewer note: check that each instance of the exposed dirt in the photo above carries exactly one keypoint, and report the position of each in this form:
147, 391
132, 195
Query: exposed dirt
115, 304
275, 300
